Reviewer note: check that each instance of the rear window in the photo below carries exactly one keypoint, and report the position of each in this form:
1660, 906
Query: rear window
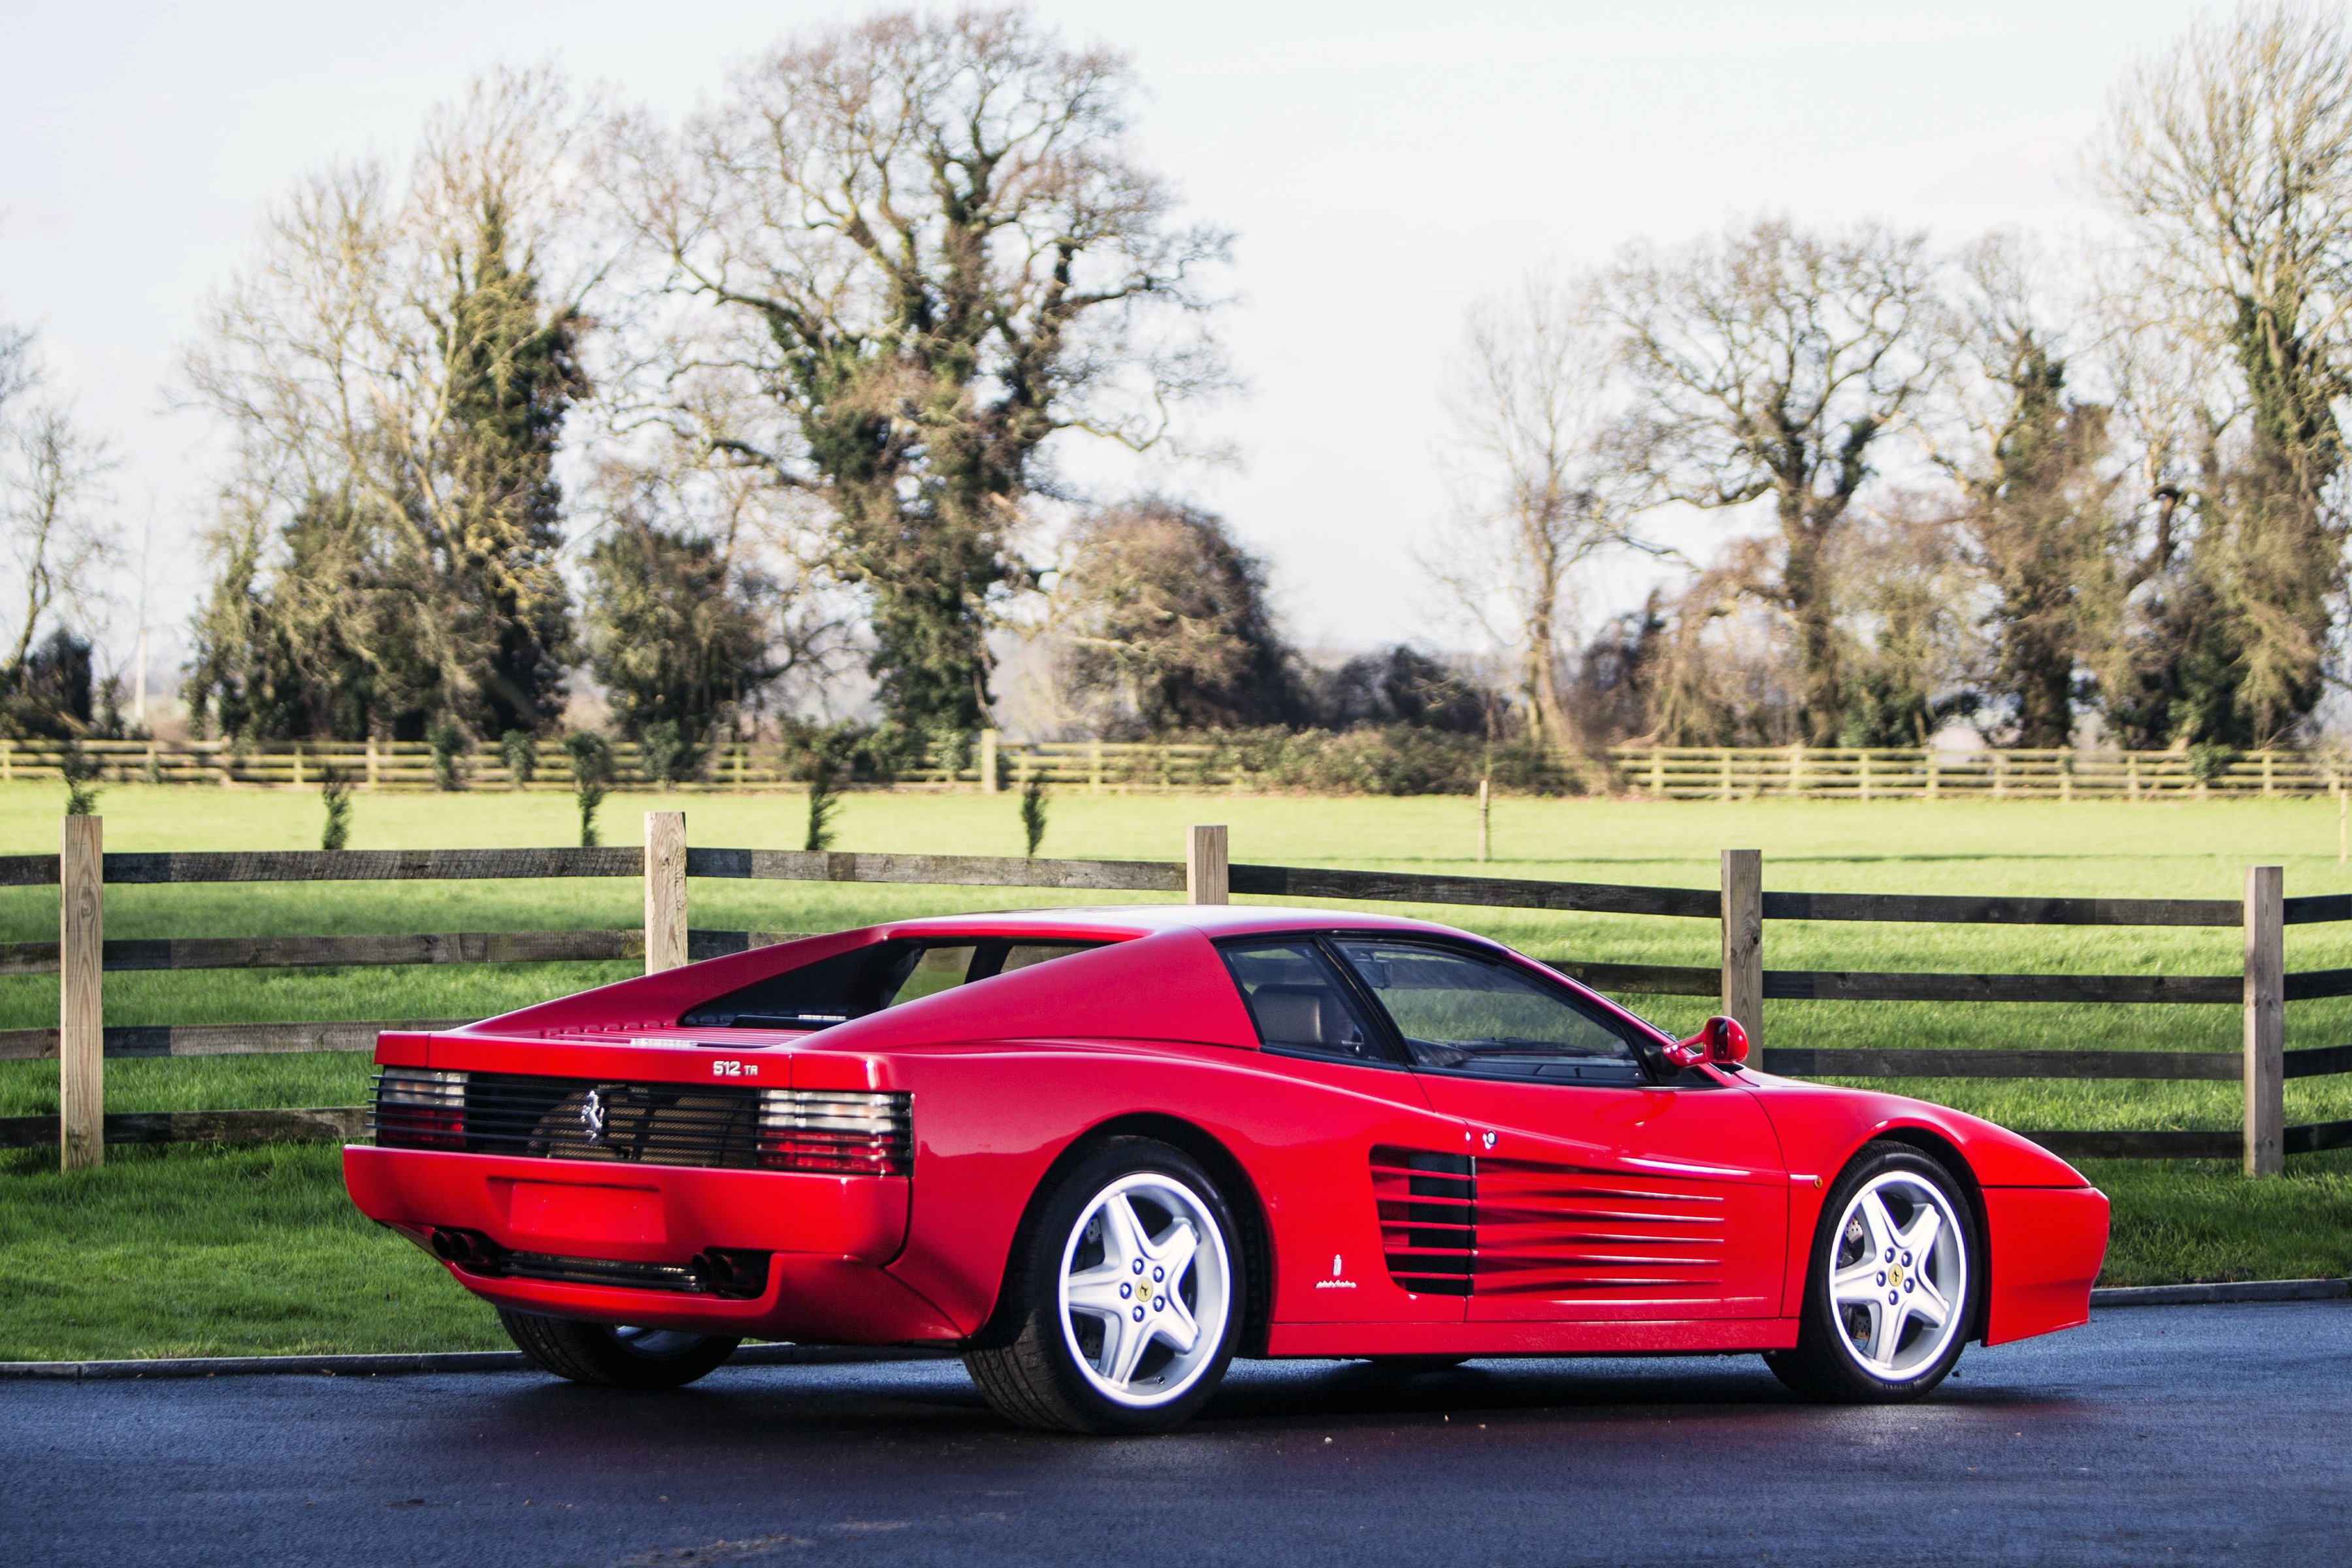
869, 979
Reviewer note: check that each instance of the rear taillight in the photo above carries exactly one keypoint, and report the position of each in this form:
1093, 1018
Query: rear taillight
419, 1108
846, 1132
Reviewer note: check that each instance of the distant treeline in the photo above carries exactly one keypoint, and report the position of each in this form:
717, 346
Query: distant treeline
755, 415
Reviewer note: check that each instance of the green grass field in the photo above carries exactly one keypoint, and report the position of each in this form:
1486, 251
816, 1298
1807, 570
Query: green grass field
181, 1250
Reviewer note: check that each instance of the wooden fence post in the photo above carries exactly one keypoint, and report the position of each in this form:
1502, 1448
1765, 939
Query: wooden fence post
988, 761
2265, 1020
1743, 940
1484, 838
1206, 880
81, 1005
371, 762
665, 890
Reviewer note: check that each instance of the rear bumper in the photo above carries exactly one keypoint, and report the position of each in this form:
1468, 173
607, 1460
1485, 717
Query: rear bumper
827, 1238
2048, 1244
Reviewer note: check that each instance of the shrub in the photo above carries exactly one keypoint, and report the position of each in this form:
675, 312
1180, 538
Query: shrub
592, 775
79, 770
447, 742
518, 750
1393, 759
335, 795
666, 756
1033, 813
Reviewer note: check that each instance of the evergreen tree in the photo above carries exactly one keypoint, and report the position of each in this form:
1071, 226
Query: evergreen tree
676, 636
512, 374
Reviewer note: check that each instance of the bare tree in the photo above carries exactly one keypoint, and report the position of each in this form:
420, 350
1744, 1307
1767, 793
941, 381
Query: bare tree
1774, 360
1536, 493
2230, 160
931, 249
56, 532
393, 371
53, 522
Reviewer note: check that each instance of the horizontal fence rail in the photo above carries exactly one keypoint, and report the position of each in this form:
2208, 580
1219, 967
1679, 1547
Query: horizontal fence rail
667, 863
388, 950
987, 761
324, 1124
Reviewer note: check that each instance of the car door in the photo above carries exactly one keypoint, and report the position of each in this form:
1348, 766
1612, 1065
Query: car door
1598, 1194
1371, 1211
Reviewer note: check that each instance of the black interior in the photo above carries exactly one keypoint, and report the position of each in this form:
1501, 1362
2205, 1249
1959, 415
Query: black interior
862, 981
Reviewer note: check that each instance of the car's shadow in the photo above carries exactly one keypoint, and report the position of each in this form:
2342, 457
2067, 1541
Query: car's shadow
793, 1407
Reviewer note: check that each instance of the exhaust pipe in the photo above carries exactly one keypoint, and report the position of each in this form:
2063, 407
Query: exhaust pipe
466, 1248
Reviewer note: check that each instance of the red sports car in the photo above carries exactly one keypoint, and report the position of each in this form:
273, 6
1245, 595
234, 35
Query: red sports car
1102, 1151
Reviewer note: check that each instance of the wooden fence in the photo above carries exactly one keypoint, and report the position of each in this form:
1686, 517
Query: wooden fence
986, 762
1826, 773
1738, 904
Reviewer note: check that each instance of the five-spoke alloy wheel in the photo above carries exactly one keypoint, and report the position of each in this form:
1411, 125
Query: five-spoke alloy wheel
1122, 1306
1891, 1290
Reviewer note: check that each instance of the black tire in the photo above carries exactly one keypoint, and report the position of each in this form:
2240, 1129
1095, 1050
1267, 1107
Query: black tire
1026, 1363
1825, 1365
610, 1355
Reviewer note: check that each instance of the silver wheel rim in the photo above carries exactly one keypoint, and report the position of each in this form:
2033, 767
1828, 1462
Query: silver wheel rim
1145, 1291
1898, 1275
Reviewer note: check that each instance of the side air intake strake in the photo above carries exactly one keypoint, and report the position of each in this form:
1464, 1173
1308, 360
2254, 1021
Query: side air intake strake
839, 1132
1455, 1225
1429, 1218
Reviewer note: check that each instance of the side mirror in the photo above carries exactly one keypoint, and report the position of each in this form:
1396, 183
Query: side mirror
1721, 1040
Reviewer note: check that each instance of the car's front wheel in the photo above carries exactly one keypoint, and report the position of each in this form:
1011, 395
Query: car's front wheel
615, 1356
1121, 1307
1894, 1283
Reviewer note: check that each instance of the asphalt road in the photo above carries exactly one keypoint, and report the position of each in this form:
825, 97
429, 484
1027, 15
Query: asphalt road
2157, 1434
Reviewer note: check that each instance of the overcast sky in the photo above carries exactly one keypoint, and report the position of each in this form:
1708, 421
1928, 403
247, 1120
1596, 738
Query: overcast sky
1382, 164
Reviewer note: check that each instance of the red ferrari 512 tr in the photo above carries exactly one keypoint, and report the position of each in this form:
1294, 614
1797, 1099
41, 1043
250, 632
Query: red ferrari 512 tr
1102, 1151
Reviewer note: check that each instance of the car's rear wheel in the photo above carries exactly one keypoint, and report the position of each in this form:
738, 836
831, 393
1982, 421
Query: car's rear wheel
1121, 1306
1893, 1286
614, 1355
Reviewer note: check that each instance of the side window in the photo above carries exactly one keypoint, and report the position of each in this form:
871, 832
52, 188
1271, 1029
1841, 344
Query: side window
1469, 1013
1299, 1003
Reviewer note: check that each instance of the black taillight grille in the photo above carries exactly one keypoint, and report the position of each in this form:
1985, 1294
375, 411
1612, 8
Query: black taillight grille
713, 1126
640, 1123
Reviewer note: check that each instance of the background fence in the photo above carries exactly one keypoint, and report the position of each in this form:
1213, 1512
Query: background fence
986, 762
1739, 905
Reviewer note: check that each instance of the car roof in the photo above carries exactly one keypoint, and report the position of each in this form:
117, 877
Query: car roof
1115, 922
